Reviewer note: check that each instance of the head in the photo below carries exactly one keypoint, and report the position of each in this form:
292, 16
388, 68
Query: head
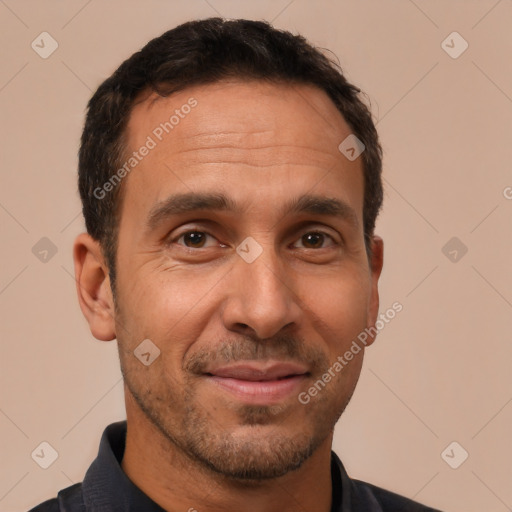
225, 225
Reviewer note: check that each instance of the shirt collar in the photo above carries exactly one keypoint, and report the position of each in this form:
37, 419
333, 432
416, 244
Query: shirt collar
106, 486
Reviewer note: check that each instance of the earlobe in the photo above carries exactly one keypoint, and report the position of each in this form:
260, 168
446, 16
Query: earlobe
376, 264
93, 287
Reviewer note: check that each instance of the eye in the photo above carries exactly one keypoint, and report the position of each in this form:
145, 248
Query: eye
193, 239
197, 239
315, 239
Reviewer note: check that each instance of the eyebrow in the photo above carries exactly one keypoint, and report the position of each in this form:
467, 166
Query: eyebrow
178, 204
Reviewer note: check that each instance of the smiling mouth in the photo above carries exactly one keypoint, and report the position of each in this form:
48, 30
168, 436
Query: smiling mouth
260, 392
262, 385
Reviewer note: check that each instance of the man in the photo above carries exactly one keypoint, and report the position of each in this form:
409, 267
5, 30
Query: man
230, 179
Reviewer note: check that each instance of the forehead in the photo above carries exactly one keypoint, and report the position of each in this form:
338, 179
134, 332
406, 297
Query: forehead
298, 113
271, 137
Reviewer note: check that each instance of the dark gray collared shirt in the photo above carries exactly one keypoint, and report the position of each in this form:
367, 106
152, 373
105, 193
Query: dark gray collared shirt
106, 487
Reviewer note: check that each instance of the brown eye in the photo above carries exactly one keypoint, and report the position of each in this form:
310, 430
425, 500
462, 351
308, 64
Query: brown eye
194, 239
314, 240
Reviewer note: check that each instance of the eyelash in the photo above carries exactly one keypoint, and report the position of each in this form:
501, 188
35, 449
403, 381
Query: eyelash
181, 235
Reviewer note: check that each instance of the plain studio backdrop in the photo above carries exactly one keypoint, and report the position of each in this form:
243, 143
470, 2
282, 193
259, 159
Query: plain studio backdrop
432, 412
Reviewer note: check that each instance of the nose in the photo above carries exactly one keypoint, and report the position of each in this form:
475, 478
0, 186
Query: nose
262, 298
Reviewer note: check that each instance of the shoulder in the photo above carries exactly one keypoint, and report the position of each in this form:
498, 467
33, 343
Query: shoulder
47, 506
69, 500
387, 501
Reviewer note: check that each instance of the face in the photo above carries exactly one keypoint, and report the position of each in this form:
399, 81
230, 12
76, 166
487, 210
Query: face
241, 256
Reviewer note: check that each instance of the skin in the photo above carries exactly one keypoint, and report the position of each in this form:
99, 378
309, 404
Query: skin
191, 444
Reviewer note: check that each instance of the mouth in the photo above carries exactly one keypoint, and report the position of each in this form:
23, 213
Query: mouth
261, 384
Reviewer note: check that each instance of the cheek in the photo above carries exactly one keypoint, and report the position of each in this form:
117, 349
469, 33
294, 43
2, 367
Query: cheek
168, 307
340, 301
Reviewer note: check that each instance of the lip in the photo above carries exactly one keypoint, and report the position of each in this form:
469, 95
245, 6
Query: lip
259, 372
259, 383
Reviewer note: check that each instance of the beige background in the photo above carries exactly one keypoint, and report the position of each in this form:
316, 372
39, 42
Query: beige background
439, 372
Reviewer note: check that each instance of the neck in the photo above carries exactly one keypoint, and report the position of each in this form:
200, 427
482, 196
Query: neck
177, 483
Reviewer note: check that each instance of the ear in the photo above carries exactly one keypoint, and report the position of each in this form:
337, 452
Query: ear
376, 263
93, 287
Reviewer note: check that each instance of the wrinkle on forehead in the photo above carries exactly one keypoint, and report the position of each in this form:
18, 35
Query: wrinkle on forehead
244, 110
293, 132
261, 145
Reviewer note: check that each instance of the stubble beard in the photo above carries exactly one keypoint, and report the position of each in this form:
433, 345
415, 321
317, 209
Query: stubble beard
261, 448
